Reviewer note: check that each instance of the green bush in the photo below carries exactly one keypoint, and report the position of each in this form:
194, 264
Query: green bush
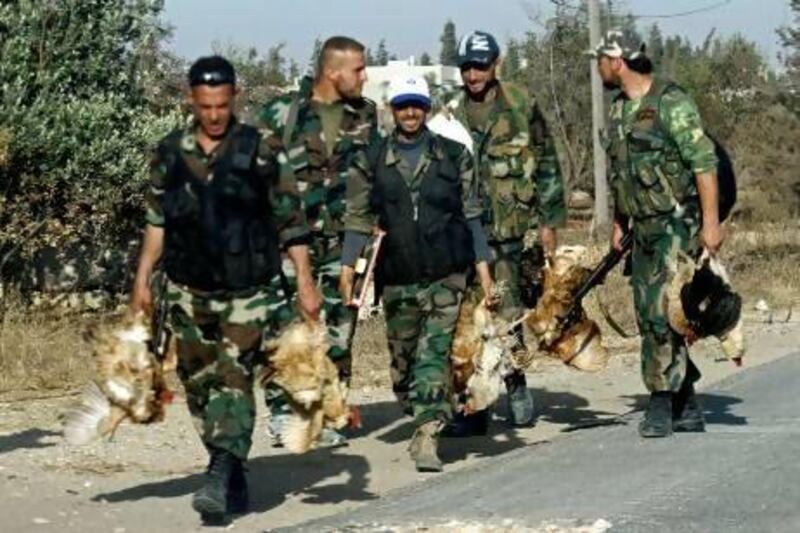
78, 122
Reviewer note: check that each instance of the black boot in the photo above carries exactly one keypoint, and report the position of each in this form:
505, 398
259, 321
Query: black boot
687, 414
658, 416
238, 495
476, 424
211, 501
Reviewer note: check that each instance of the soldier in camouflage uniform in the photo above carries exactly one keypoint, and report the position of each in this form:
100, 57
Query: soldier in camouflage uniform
320, 127
520, 184
221, 205
662, 171
421, 188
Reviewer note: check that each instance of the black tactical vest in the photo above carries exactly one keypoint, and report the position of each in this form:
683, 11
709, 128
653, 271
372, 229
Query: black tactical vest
219, 233
435, 243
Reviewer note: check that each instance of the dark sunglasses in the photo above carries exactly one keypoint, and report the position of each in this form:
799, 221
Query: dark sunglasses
474, 65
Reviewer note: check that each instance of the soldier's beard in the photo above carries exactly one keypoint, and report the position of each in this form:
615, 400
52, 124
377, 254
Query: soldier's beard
611, 85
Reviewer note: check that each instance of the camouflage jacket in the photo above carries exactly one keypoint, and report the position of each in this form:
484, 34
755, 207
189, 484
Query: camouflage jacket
359, 216
321, 177
284, 200
515, 158
656, 145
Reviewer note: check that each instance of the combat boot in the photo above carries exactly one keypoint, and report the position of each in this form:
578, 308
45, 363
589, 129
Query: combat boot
519, 400
211, 501
687, 413
424, 447
472, 425
657, 420
238, 494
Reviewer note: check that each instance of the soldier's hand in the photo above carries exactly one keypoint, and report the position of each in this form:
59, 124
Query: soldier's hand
309, 298
616, 237
711, 237
490, 296
547, 237
346, 282
141, 297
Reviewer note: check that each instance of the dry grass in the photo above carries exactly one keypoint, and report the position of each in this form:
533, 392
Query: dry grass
41, 350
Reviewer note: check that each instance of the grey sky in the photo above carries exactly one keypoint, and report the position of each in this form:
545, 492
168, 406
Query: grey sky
411, 27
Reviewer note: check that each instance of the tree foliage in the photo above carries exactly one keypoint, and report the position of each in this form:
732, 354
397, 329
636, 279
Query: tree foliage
790, 38
260, 76
449, 52
382, 55
79, 119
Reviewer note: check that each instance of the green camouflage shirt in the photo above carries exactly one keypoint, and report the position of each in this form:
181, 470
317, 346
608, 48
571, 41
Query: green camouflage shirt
321, 178
359, 216
520, 178
656, 145
284, 201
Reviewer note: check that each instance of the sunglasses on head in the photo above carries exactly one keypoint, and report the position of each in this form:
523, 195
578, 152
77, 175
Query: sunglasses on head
212, 77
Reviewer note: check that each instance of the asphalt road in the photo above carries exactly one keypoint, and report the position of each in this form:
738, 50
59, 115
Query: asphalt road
743, 474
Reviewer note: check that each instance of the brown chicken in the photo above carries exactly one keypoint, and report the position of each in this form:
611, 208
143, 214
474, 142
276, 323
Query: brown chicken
298, 363
575, 341
129, 381
480, 356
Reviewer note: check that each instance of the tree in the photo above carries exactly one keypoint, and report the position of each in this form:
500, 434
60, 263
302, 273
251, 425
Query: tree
382, 56
276, 73
369, 59
425, 59
790, 38
511, 62
77, 78
315, 52
449, 53
655, 45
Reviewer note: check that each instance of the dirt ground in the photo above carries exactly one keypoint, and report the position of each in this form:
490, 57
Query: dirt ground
143, 479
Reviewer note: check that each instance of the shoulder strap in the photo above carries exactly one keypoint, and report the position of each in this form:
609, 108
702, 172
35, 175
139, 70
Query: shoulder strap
245, 146
376, 154
291, 120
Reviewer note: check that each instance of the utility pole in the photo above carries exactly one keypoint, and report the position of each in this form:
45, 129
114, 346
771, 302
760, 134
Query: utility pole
601, 218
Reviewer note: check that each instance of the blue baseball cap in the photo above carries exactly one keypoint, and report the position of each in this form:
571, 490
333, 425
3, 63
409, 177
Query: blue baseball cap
478, 47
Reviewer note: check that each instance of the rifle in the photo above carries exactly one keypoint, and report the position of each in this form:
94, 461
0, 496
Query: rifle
161, 333
599, 273
595, 278
365, 269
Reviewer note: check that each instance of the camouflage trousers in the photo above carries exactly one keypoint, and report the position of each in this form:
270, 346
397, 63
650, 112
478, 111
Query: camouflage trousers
339, 318
657, 241
420, 323
218, 341
506, 272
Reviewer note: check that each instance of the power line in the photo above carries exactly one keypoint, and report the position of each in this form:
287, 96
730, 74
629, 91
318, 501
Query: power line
566, 5
685, 13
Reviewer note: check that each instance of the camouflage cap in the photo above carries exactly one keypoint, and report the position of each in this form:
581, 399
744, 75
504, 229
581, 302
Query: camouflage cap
616, 44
